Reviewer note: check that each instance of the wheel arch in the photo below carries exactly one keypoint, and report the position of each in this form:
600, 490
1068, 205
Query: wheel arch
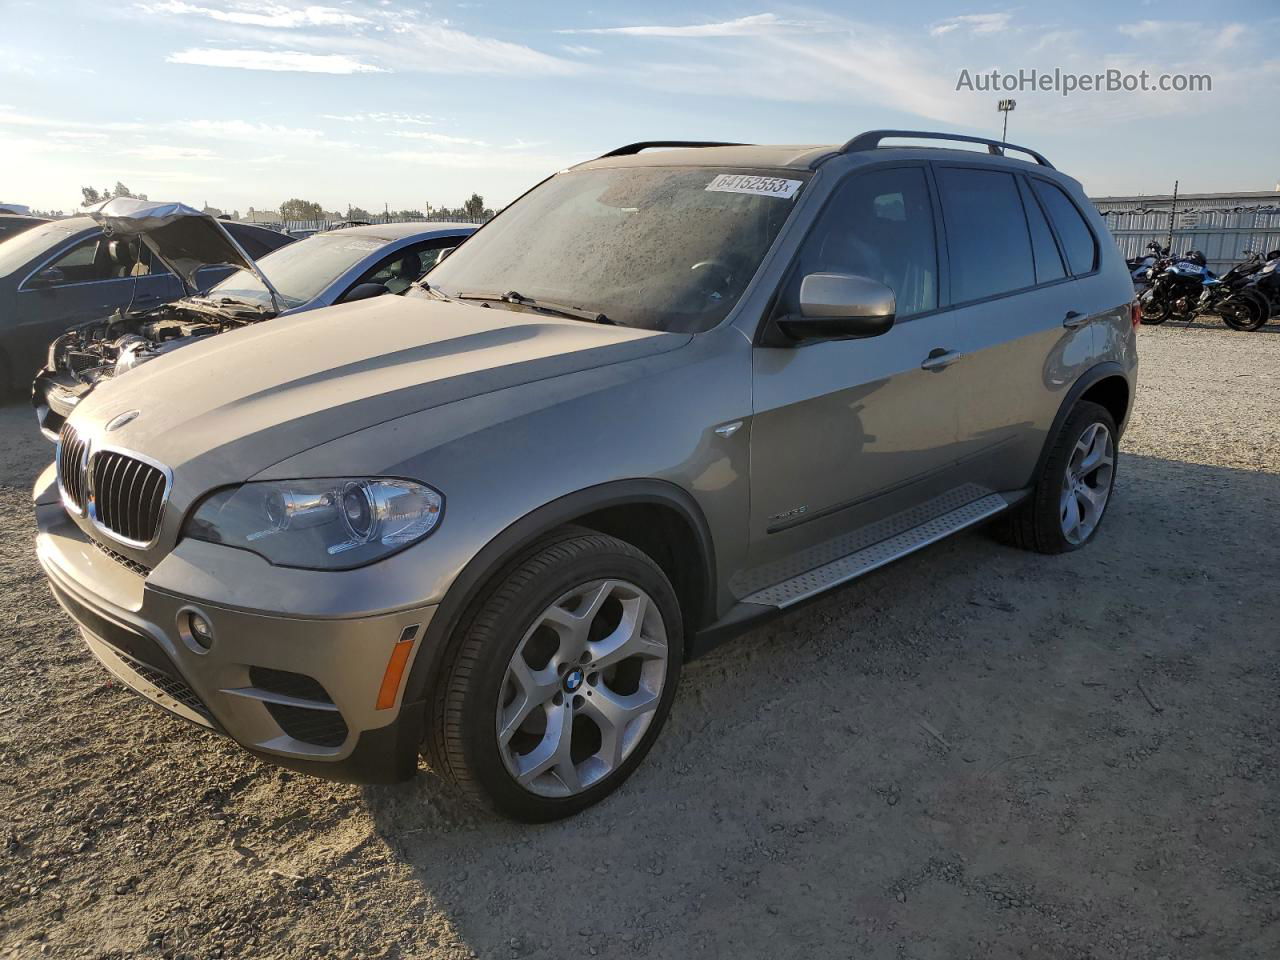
1105, 384
653, 515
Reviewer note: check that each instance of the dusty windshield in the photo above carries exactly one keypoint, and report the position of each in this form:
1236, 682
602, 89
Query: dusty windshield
664, 248
299, 271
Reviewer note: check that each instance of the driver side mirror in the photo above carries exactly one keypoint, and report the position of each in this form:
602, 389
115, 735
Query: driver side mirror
363, 291
839, 306
48, 277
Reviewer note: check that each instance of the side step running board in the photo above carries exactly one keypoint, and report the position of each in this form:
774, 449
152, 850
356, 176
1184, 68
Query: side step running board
862, 561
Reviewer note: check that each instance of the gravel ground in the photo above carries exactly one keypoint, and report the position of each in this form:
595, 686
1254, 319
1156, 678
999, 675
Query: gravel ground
975, 753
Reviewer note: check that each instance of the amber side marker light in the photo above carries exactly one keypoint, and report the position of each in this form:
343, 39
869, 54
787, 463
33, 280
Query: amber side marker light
398, 660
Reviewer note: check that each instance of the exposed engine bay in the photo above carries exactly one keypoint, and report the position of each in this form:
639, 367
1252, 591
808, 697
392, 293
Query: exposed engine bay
92, 352
104, 348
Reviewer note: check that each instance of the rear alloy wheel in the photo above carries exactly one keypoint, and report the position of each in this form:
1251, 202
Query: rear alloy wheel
562, 679
1073, 488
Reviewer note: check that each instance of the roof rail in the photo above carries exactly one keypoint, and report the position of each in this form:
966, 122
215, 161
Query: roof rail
871, 140
633, 148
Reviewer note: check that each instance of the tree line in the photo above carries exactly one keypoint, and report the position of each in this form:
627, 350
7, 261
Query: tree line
296, 208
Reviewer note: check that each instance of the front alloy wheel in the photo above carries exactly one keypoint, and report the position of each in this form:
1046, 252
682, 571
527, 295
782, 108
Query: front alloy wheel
560, 678
582, 688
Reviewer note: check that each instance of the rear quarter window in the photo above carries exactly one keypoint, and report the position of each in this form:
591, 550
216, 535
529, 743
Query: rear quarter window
1078, 242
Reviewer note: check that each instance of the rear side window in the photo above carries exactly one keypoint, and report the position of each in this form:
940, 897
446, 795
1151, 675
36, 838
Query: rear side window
878, 225
1077, 239
987, 237
1048, 260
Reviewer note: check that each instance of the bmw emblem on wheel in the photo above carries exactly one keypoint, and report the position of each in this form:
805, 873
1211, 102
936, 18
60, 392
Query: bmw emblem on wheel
573, 680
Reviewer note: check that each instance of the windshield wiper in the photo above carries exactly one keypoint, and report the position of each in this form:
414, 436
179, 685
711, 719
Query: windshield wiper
546, 306
427, 288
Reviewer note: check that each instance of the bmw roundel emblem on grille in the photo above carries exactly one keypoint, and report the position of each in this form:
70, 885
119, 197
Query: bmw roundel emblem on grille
116, 422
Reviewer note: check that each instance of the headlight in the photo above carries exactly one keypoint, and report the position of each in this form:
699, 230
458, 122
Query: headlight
319, 524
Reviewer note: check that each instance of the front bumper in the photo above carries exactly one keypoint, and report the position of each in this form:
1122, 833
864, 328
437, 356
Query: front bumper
301, 692
55, 396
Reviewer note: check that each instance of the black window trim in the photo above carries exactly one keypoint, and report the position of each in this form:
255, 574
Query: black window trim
771, 311
1097, 247
1028, 194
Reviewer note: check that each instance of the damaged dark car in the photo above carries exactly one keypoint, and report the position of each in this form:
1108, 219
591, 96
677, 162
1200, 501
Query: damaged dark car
327, 269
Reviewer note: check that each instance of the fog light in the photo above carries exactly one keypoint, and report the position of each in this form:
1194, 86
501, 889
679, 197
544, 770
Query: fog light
201, 630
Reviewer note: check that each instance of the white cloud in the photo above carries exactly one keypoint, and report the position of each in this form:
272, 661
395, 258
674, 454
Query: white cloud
438, 138
753, 25
977, 23
287, 61
170, 153
397, 118
244, 131
578, 50
274, 15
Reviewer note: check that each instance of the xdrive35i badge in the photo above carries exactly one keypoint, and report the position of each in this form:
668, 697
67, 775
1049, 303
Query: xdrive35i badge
118, 421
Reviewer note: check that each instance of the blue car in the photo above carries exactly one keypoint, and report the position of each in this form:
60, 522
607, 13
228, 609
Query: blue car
328, 268
59, 273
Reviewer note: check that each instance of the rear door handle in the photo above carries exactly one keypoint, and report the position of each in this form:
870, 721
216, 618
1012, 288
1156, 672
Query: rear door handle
1074, 319
940, 359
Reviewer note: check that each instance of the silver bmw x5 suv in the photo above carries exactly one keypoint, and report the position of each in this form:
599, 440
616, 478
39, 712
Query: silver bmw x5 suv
666, 393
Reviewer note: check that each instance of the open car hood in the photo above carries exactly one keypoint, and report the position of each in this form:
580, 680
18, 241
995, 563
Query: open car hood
184, 239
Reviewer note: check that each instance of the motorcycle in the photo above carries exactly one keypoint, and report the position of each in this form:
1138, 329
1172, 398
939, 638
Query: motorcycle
1232, 297
1140, 268
1264, 288
1175, 289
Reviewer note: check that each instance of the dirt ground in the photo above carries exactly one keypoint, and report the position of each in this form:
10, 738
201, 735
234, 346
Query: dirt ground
975, 753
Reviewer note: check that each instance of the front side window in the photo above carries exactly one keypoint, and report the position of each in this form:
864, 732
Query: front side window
663, 248
877, 225
987, 239
402, 269
1077, 239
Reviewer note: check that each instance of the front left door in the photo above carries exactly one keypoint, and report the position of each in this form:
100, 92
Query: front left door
846, 431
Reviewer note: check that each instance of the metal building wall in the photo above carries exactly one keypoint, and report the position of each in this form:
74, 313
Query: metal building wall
1223, 235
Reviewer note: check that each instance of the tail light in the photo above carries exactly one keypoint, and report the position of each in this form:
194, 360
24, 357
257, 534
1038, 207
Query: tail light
1135, 313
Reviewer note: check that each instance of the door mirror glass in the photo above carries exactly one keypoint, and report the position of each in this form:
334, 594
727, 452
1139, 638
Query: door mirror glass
840, 306
363, 291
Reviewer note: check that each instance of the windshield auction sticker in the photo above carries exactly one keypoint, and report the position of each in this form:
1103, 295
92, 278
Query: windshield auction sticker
760, 186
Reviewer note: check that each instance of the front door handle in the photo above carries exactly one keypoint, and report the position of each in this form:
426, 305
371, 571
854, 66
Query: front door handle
1074, 319
940, 359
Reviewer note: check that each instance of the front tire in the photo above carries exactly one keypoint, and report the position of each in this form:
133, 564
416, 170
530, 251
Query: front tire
562, 680
1154, 311
1072, 491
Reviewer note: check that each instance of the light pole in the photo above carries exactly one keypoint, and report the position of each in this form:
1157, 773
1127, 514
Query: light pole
1006, 107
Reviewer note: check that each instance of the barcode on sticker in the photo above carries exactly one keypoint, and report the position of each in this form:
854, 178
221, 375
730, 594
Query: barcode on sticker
760, 186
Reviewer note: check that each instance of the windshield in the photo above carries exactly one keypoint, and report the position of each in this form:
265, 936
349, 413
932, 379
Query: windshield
299, 271
664, 248
22, 248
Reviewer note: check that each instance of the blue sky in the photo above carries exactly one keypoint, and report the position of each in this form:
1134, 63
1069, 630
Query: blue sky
248, 102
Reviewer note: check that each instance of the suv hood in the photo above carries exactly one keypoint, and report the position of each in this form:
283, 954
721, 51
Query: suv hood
224, 409
182, 237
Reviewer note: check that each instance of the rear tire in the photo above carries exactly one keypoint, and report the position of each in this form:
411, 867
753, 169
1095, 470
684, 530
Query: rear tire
1069, 480
1244, 311
563, 677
